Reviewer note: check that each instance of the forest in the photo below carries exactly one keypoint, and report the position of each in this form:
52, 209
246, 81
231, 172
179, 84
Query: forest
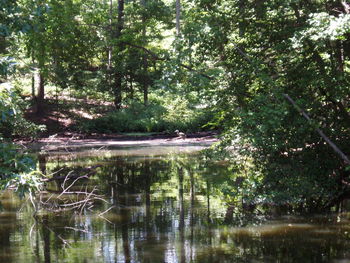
271, 77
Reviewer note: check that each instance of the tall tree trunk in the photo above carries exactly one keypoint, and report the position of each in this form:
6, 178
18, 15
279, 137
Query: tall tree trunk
178, 16
144, 59
339, 54
41, 94
3, 45
110, 46
131, 88
118, 90
145, 81
110, 50
118, 73
242, 23
33, 85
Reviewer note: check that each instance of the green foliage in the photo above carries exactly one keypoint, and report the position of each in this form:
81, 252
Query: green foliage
182, 115
7, 67
9, 18
17, 170
12, 122
60, 47
267, 49
151, 118
134, 118
322, 27
233, 59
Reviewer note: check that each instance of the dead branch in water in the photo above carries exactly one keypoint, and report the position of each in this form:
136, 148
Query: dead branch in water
71, 200
90, 171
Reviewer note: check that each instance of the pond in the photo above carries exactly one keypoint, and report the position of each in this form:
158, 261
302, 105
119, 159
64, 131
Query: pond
155, 204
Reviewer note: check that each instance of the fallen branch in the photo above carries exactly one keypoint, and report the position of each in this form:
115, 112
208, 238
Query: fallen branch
305, 115
319, 131
90, 173
66, 199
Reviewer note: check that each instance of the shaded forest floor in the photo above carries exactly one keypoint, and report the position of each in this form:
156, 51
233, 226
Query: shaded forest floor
62, 115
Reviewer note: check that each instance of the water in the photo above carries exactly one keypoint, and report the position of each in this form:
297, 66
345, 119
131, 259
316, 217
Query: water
164, 207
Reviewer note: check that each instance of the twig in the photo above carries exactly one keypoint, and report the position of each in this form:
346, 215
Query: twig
66, 189
75, 203
100, 214
66, 178
106, 219
76, 229
86, 201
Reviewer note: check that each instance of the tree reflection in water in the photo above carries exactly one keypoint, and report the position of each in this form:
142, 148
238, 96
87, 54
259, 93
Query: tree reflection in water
166, 208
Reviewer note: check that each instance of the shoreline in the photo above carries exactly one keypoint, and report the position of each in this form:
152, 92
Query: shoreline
76, 141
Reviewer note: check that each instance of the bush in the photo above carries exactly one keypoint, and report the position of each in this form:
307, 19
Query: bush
12, 122
17, 170
151, 118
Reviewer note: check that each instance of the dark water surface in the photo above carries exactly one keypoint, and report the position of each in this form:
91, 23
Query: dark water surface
164, 207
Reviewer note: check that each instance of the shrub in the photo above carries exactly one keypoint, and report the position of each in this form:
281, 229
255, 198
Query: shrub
151, 118
17, 170
12, 122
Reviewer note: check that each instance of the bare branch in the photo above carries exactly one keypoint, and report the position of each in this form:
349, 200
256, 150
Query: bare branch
100, 214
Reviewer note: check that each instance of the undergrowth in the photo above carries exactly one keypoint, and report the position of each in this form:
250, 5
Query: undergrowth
154, 117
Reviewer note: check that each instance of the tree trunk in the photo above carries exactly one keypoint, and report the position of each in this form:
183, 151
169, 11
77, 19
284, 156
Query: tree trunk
144, 59
145, 81
110, 49
118, 75
2, 45
41, 94
178, 15
242, 23
339, 53
109, 52
118, 90
33, 86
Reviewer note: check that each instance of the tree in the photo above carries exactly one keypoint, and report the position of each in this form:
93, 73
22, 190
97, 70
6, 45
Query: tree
60, 44
259, 50
10, 24
137, 40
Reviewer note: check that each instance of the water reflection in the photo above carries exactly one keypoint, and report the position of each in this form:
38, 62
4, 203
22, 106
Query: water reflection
166, 208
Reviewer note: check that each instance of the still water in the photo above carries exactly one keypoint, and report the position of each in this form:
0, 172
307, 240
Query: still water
161, 204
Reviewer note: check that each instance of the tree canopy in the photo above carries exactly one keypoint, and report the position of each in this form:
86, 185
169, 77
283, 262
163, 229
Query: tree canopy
198, 64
